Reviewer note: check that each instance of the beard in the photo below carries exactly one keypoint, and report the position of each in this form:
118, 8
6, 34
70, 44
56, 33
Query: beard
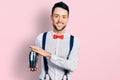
55, 27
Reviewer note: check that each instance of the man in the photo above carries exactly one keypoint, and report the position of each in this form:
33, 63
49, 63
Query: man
57, 47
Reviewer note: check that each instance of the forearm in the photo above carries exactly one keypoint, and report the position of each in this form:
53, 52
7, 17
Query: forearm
70, 64
41, 51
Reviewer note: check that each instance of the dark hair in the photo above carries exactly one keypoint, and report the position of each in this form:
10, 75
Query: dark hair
61, 5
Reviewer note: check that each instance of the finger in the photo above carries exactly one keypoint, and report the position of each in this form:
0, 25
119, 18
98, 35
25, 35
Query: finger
30, 46
34, 49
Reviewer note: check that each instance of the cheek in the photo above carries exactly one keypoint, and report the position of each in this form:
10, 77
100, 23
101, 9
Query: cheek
65, 21
55, 20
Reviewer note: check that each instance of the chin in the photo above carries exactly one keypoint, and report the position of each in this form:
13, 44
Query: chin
59, 28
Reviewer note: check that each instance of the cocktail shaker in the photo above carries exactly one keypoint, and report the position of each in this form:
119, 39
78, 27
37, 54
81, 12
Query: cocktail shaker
33, 58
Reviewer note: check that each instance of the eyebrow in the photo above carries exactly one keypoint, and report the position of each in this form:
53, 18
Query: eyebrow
58, 14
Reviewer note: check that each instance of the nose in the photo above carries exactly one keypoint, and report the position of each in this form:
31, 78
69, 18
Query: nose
60, 19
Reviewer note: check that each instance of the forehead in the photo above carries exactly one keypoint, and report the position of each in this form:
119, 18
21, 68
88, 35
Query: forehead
60, 11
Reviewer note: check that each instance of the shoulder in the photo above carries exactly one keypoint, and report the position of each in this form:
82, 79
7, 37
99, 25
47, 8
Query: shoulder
76, 39
39, 37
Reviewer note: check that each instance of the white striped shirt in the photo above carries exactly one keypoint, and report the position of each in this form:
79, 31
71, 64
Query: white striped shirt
59, 48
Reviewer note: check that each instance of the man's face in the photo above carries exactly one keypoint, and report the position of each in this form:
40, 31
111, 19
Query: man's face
59, 18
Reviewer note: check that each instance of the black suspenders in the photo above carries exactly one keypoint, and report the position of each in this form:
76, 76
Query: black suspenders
45, 60
70, 48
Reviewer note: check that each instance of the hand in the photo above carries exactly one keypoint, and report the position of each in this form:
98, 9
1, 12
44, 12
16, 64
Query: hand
32, 69
41, 51
37, 50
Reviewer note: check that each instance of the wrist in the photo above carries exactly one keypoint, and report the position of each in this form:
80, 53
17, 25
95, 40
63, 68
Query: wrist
48, 56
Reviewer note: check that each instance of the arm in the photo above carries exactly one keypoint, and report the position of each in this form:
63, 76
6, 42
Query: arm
72, 62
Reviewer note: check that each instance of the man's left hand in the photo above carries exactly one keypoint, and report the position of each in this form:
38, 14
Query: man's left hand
41, 51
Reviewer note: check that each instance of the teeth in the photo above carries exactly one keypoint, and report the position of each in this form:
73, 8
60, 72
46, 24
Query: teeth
59, 24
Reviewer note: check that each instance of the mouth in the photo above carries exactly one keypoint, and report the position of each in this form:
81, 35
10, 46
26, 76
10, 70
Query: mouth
60, 24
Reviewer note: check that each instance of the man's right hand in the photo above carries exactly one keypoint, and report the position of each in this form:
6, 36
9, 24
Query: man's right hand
33, 69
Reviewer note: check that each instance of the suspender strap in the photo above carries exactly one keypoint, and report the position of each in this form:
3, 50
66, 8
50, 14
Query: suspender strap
44, 40
70, 48
44, 58
71, 45
43, 46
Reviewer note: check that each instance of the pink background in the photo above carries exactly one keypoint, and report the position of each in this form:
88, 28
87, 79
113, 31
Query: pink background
95, 22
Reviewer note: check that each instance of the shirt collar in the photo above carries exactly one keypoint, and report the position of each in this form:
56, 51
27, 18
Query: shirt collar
65, 34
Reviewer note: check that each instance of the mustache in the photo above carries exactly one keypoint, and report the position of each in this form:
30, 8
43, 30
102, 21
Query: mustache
55, 27
59, 22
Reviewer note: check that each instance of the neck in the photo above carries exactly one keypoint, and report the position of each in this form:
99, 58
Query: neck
59, 32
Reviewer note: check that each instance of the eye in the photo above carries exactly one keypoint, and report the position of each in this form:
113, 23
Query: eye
56, 16
64, 17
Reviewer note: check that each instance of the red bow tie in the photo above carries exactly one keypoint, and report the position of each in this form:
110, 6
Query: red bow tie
56, 36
